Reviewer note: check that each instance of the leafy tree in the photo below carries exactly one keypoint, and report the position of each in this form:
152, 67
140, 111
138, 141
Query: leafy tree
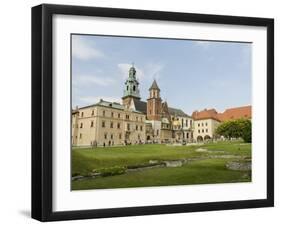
236, 129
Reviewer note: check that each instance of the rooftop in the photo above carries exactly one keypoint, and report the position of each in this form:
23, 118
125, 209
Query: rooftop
154, 85
236, 113
228, 114
206, 114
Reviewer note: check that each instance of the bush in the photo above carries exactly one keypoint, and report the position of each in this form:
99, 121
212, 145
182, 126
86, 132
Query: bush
241, 128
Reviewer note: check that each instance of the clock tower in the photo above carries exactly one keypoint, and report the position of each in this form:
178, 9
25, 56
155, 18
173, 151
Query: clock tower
131, 90
154, 103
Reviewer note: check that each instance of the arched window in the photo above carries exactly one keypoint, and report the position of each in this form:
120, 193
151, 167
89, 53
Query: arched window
127, 87
134, 88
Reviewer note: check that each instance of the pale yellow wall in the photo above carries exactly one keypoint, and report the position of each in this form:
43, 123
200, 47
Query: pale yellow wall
206, 127
88, 134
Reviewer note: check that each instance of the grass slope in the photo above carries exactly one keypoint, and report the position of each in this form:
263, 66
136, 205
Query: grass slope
211, 170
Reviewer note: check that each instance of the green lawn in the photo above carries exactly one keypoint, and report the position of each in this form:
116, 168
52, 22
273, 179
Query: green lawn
204, 170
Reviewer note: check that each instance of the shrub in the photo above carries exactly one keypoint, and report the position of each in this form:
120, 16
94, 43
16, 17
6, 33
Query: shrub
236, 129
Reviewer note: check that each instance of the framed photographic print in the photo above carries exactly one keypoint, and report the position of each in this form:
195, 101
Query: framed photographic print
140, 112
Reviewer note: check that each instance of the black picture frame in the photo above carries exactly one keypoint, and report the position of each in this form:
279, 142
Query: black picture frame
42, 107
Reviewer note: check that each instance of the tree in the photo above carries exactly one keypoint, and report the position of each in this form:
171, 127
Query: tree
241, 128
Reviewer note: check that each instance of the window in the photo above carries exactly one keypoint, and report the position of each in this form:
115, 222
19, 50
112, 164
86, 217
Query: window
112, 114
111, 136
103, 113
187, 135
103, 124
92, 123
202, 124
141, 119
137, 127
186, 123
137, 118
127, 87
82, 114
190, 123
202, 130
134, 88
128, 126
140, 128
93, 112
206, 124
80, 136
105, 136
206, 130
118, 115
199, 131
139, 136
182, 121
157, 132
81, 125
118, 125
120, 135
111, 124
198, 124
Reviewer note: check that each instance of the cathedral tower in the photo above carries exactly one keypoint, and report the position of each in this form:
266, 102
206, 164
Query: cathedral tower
131, 90
154, 103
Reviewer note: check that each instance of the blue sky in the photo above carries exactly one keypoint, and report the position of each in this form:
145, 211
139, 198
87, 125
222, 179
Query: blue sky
192, 75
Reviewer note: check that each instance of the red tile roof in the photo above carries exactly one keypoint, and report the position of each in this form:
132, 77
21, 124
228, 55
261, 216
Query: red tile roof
236, 113
228, 114
205, 114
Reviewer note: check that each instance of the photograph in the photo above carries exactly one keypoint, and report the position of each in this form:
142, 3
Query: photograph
149, 112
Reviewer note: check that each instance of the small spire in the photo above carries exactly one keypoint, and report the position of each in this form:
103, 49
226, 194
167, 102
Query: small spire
154, 85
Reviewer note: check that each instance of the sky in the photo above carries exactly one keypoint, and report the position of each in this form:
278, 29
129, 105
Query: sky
192, 75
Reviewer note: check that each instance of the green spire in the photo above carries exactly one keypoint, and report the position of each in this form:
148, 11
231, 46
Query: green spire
132, 84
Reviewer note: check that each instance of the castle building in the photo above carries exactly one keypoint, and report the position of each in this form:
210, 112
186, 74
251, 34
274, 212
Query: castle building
205, 124
153, 121
206, 121
106, 124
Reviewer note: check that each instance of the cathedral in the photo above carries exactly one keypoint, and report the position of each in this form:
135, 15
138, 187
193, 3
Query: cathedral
135, 121
163, 124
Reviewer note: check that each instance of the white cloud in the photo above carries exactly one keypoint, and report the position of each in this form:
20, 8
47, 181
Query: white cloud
148, 72
95, 99
92, 79
124, 68
154, 70
84, 50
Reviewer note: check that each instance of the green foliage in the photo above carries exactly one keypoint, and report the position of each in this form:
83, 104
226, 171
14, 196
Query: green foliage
241, 128
111, 171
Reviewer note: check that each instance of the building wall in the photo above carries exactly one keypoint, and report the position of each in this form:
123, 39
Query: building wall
154, 109
107, 126
205, 127
156, 127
